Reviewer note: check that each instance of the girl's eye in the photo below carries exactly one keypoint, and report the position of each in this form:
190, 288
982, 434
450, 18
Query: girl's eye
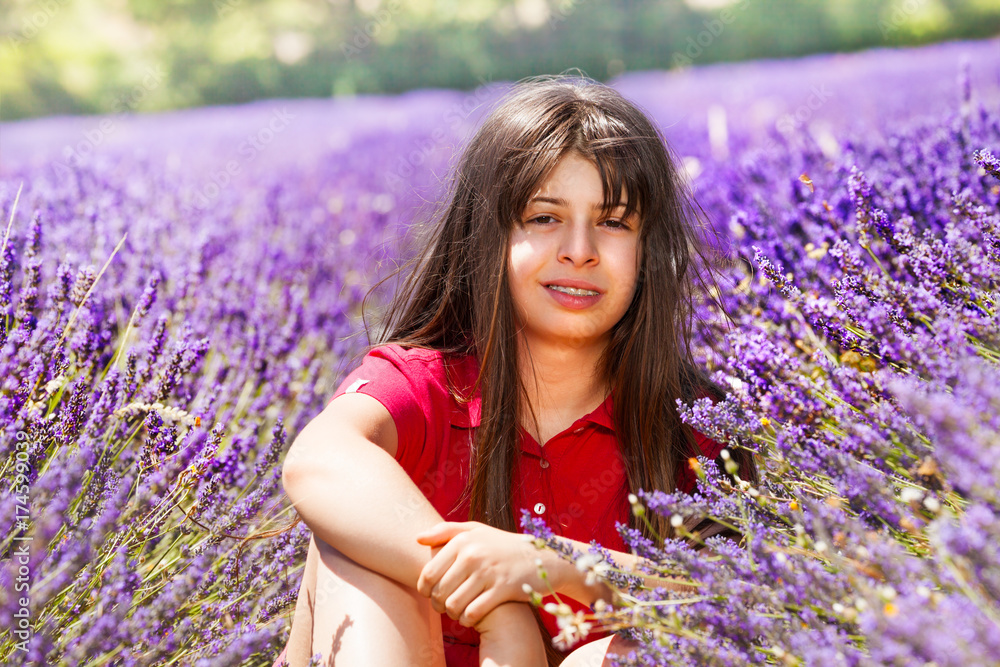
612, 223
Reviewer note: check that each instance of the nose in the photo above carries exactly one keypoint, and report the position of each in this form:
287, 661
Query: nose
578, 245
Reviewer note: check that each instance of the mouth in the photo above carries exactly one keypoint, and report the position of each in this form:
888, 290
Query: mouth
573, 291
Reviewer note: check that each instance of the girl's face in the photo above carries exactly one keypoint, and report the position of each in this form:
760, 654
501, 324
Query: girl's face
572, 271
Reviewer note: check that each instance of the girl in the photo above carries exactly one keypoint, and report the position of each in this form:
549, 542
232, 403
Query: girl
532, 364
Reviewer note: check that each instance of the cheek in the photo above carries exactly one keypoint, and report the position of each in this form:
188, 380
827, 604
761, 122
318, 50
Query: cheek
518, 273
522, 260
629, 268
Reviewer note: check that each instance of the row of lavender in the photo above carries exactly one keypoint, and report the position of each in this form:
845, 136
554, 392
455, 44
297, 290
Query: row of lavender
864, 363
156, 354
177, 298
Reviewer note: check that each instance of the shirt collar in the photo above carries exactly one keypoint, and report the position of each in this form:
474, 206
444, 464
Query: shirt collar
468, 415
604, 414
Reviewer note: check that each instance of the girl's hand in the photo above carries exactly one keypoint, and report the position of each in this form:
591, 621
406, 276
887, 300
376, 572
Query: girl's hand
474, 568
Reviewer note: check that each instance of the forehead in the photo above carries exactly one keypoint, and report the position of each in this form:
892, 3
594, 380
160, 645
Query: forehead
572, 178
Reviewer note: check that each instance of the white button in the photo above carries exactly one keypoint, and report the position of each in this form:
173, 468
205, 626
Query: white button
577, 430
543, 463
539, 508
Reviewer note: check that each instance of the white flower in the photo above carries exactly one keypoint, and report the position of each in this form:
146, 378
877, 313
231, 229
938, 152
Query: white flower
572, 629
593, 565
557, 608
909, 494
587, 561
676, 520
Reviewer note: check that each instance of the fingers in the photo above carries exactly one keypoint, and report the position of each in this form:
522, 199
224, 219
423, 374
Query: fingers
456, 580
431, 574
442, 532
458, 602
478, 609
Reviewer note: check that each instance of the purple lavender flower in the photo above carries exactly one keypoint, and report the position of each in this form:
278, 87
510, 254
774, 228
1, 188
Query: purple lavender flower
986, 160
865, 385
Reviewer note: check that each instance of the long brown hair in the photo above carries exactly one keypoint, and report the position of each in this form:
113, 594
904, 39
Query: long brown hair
456, 299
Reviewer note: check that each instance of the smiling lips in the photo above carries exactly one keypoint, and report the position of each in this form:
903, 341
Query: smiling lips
574, 294
573, 290
574, 287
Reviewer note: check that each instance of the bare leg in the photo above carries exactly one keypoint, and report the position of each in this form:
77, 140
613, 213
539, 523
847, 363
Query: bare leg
299, 647
595, 653
356, 616
359, 617
509, 637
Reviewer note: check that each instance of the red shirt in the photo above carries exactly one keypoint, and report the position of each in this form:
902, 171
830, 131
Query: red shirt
576, 482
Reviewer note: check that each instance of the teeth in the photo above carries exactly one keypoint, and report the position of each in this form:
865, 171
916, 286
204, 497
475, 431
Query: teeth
573, 290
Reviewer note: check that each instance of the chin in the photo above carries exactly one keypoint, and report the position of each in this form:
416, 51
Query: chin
578, 339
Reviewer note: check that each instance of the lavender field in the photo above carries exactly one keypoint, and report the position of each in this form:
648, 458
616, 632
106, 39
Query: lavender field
180, 294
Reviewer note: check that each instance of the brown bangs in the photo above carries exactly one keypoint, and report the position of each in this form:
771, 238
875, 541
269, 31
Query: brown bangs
603, 140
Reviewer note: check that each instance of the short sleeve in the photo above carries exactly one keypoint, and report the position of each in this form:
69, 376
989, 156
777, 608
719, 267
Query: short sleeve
401, 386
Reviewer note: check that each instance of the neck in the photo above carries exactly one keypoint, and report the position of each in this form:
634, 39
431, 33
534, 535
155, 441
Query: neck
560, 379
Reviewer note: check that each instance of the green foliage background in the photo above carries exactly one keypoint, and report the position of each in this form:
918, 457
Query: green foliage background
91, 56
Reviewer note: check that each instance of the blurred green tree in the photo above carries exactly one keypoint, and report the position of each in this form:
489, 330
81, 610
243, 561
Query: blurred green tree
89, 56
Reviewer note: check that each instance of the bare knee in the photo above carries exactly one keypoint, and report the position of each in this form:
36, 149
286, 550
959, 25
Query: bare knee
595, 653
362, 617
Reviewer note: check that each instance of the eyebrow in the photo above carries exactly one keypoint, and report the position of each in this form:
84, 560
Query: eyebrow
559, 201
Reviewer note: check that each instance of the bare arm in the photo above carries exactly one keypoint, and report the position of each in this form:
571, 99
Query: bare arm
342, 477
